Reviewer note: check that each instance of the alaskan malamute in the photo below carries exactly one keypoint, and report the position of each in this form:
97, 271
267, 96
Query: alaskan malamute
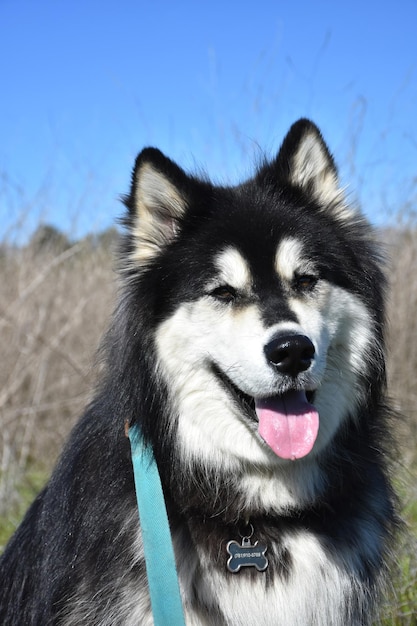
248, 344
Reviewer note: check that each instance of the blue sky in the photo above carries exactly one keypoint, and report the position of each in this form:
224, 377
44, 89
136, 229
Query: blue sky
86, 84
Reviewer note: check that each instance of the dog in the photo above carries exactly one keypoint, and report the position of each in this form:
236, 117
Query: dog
248, 345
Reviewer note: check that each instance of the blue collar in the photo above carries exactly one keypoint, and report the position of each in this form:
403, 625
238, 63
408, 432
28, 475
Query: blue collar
156, 536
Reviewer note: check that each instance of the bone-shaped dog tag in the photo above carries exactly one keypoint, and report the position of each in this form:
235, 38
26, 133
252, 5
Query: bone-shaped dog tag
246, 555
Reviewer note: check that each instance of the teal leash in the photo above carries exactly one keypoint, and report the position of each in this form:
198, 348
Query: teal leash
156, 535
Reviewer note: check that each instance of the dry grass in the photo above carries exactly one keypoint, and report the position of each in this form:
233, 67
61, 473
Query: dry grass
402, 367
55, 301
402, 340
54, 306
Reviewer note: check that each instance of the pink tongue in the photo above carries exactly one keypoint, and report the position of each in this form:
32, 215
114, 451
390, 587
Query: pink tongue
288, 424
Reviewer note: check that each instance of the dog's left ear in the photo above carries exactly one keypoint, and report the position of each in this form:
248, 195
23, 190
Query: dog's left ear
157, 202
304, 161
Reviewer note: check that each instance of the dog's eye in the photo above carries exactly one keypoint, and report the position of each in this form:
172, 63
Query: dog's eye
224, 293
304, 282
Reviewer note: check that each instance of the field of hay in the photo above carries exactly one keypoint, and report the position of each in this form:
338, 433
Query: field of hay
55, 301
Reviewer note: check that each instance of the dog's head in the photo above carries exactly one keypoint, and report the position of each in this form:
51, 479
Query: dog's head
266, 301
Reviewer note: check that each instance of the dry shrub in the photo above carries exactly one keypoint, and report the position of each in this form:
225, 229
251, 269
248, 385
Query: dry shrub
402, 336
54, 306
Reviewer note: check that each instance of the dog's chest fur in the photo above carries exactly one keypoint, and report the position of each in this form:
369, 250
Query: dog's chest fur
303, 583
301, 586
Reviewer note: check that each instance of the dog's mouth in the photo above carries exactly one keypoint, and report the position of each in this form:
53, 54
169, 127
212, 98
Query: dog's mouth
287, 422
242, 399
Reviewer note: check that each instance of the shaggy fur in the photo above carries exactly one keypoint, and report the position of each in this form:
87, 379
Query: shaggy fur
234, 303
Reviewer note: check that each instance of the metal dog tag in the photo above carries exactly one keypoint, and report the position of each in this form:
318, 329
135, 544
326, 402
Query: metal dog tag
246, 555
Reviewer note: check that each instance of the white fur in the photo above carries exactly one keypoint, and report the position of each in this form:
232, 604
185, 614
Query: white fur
290, 259
211, 428
339, 325
233, 270
313, 595
159, 205
311, 170
213, 432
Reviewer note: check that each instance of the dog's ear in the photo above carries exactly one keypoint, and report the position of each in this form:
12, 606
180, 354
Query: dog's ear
157, 202
304, 161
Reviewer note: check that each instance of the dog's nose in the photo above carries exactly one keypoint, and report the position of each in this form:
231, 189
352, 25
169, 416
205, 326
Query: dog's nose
290, 354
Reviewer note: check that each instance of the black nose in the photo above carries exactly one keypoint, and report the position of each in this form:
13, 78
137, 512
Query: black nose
290, 354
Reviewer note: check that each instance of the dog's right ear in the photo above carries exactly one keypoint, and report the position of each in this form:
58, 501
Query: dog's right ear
157, 202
